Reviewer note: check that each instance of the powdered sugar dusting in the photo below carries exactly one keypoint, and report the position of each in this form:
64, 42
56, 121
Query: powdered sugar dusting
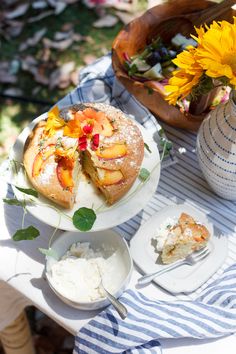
45, 175
125, 131
68, 142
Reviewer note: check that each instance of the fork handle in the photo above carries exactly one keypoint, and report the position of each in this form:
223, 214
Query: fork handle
145, 279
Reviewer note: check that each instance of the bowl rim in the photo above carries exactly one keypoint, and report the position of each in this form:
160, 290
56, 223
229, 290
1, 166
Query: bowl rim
102, 301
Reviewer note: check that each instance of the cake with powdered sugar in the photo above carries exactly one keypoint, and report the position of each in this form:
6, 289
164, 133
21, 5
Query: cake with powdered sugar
92, 138
177, 238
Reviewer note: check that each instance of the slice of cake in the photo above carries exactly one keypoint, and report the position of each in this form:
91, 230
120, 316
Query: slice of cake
176, 239
92, 138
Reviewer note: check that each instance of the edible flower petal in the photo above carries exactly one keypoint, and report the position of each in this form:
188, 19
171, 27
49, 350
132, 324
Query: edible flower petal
95, 142
88, 128
83, 143
73, 129
69, 153
54, 122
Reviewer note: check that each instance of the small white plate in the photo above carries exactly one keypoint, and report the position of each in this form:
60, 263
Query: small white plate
184, 278
108, 216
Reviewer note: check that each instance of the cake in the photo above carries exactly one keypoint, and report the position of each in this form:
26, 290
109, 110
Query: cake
176, 239
95, 139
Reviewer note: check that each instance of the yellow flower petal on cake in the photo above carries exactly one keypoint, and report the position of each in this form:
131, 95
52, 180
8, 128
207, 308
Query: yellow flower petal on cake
54, 122
73, 129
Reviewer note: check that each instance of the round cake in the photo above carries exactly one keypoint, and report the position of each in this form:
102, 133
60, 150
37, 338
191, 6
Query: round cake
95, 139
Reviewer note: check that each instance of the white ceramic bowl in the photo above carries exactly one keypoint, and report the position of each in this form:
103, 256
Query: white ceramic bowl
111, 239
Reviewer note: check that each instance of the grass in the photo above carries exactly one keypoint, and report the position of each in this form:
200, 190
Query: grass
15, 114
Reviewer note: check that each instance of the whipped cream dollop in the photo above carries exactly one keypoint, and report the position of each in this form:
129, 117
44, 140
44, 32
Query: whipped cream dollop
77, 275
162, 233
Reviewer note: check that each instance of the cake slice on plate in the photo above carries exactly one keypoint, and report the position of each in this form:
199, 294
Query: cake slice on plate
178, 239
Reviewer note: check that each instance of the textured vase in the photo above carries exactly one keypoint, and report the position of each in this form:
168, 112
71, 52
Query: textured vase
216, 148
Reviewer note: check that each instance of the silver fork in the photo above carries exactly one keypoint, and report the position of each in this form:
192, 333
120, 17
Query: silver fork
190, 260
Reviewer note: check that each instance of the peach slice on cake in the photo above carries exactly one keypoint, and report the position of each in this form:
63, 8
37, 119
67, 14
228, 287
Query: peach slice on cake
107, 128
41, 158
101, 124
65, 173
113, 151
109, 177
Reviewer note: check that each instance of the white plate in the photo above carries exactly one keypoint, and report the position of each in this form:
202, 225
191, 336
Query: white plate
184, 278
107, 217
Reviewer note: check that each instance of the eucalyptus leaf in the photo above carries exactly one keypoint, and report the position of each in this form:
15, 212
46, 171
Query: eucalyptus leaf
49, 252
30, 233
14, 202
144, 174
147, 148
84, 218
28, 191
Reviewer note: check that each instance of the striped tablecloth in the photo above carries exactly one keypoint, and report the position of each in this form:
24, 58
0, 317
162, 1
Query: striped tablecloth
210, 311
149, 319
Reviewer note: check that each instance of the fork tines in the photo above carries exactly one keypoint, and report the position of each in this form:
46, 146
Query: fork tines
201, 254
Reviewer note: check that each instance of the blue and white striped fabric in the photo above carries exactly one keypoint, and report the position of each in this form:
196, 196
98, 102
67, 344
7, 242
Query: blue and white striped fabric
211, 315
207, 313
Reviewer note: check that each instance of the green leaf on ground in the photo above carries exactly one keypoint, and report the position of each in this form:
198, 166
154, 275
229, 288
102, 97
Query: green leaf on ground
84, 218
30, 233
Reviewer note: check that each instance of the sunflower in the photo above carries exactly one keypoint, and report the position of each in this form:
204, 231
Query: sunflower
185, 78
216, 51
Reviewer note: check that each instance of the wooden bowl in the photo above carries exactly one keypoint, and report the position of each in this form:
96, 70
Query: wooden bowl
164, 20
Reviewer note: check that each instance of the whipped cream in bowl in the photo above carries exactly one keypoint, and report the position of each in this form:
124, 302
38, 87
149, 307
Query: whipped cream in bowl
83, 260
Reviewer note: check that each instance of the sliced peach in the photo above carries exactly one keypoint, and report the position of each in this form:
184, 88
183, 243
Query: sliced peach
40, 159
97, 128
113, 151
109, 177
64, 174
102, 124
103, 121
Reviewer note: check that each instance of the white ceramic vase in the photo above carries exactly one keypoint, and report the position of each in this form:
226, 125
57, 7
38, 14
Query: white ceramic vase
216, 148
